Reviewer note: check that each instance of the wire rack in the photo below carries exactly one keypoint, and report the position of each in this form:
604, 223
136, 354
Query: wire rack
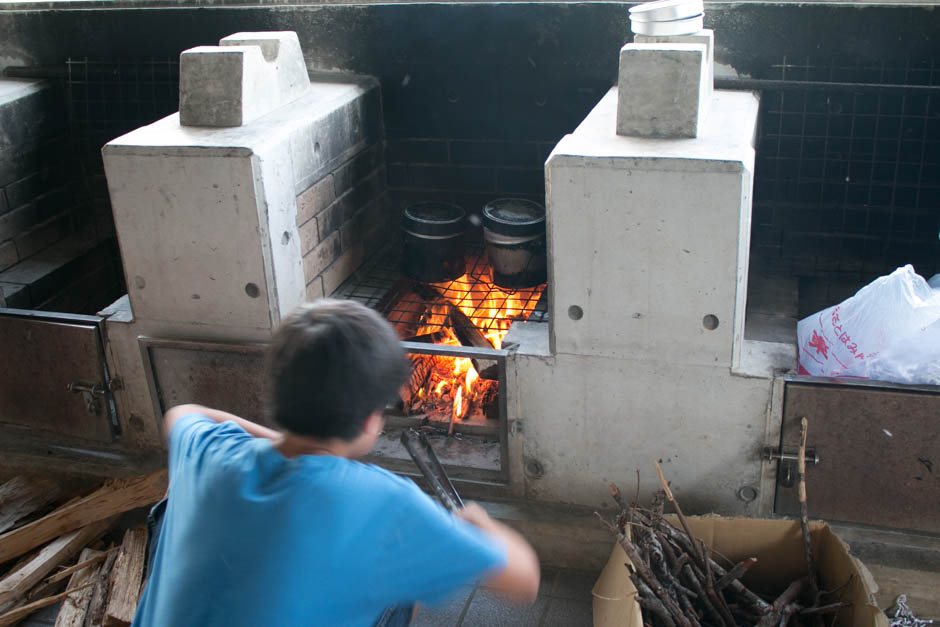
110, 98
408, 304
847, 182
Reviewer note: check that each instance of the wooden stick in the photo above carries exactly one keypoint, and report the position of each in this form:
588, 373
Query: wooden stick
115, 497
14, 616
685, 525
804, 513
735, 573
773, 617
99, 596
648, 601
65, 572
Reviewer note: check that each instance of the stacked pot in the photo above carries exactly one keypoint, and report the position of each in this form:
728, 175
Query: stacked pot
667, 17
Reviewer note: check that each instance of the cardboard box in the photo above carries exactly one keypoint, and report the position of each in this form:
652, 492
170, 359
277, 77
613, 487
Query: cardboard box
778, 547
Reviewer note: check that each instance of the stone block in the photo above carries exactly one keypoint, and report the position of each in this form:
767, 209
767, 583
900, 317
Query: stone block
662, 90
342, 268
318, 259
246, 76
705, 36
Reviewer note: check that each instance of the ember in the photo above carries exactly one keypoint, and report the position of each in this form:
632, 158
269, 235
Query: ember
469, 311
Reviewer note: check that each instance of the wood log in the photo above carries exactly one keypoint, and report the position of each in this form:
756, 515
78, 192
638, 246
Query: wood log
97, 556
75, 605
14, 616
735, 573
114, 497
804, 514
20, 497
16, 584
125, 579
99, 596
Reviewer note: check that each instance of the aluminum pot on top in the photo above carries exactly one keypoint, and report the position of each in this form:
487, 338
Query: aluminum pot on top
433, 241
514, 232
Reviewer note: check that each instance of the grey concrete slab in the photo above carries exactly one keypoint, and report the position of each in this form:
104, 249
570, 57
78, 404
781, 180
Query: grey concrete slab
448, 613
488, 609
568, 613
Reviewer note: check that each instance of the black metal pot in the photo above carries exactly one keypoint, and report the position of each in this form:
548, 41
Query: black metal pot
433, 242
514, 232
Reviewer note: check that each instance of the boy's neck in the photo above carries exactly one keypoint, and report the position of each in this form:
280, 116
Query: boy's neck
291, 445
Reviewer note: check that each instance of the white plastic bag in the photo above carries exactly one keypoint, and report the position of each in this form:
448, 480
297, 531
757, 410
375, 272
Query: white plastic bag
887, 331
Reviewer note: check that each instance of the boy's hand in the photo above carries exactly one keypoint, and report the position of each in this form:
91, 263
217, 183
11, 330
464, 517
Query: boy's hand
475, 515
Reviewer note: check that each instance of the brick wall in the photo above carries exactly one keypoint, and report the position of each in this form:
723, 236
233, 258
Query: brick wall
53, 255
343, 218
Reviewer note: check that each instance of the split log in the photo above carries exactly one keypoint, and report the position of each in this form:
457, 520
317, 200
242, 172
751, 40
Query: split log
804, 514
20, 497
125, 579
94, 616
14, 616
16, 584
75, 605
114, 497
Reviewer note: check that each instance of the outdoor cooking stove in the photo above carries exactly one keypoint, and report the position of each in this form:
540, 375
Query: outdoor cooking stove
631, 353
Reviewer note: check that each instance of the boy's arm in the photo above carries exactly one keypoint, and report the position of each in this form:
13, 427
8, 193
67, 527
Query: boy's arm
519, 580
251, 428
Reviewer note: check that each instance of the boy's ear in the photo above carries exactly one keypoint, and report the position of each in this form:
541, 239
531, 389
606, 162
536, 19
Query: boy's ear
374, 424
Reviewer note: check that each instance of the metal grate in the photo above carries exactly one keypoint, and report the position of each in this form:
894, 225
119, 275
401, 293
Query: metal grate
380, 285
847, 181
110, 98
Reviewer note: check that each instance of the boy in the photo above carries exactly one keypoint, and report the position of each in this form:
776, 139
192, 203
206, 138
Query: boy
270, 528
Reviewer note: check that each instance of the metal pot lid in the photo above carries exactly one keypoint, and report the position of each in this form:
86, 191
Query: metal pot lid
687, 26
666, 10
514, 216
434, 218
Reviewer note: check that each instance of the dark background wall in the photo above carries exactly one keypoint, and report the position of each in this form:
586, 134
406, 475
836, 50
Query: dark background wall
476, 95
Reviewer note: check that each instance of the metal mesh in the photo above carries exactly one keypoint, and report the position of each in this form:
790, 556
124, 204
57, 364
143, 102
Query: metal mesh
379, 284
110, 98
847, 181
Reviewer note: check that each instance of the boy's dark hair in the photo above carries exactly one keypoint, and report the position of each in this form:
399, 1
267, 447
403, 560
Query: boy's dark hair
332, 364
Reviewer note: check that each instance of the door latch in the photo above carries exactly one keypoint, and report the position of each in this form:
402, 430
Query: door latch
788, 458
90, 393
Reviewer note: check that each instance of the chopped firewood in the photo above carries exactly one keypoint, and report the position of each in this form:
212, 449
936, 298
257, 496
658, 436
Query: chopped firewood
16, 584
75, 605
94, 615
20, 497
114, 497
14, 616
52, 583
125, 579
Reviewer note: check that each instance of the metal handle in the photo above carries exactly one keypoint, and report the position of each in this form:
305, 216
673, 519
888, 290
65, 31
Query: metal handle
773, 454
424, 457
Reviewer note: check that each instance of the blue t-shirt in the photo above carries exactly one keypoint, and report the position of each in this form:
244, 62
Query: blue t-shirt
253, 538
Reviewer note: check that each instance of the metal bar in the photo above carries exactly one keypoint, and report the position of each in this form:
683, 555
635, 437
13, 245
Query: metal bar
446, 350
439, 470
861, 383
35, 71
789, 85
429, 472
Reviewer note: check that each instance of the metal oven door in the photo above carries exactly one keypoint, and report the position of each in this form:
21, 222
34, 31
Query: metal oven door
878, 448
54, 381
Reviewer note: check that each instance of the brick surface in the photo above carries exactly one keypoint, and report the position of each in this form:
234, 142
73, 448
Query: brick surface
8, 255
347, 175
314, 289
315, 199
14, 296
15, 222
42, 235
340, 269
24, 190
325, 253
330, 219
308, 237
521, 180
452, 178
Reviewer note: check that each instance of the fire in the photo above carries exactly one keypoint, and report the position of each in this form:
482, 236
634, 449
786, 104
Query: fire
450, 388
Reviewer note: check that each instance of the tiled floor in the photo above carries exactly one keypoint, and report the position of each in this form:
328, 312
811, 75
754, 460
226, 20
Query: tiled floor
564, 601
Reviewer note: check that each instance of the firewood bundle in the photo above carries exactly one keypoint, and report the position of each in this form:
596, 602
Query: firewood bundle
679, 583
73, 554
